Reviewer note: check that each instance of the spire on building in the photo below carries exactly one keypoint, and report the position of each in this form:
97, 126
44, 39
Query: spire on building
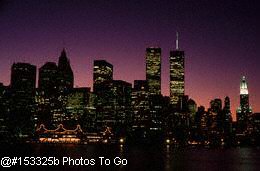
65, 78
63, 52
177, 41
243, 86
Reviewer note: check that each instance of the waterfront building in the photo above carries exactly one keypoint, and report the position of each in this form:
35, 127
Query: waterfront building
47, 95
23, 85
114, 104
76, 111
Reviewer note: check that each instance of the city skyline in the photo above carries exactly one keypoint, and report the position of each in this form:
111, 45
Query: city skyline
214, 63
108, 69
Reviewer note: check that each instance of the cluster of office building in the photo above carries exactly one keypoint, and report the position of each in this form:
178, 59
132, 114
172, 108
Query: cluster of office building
139, 111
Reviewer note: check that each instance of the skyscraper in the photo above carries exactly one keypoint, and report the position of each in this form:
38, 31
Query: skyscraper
153, 70
23, 78
102, 71
227, 118
244, 109
114, 104
227, 104
140, 104
65, 73
3, 114
176, 74
76, 107
48, 77
244, 96
216, 105
47, 95
227, 111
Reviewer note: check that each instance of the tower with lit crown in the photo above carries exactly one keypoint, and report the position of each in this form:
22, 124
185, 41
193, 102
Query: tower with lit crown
176, 73
244, 109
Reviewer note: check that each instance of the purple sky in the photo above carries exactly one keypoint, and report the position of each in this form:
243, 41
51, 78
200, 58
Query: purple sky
219, 39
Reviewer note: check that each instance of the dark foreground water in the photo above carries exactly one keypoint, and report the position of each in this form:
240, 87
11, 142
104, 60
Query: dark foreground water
144, 157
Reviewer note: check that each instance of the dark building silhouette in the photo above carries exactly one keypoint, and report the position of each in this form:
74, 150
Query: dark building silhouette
227, 111
176, 74
216, 105
200, 131
227, 104
214, 112
65, 81
153, 70
215, 115
255, 135
47, 95
55, 84
3, 114
2, 90
227, 121
48, 74
102, 71
23, 79
65, 74
114, 104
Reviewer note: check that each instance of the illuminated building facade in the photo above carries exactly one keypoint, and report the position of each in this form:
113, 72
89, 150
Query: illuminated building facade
76, 108
176, 74
153, 70
201, 123
192, 107
244, 110
103, 71
140, 104
214, 112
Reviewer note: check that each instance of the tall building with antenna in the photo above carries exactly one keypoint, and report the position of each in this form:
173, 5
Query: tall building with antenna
244, 109
176, 73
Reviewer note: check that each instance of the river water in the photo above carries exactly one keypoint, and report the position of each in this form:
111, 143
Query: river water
133, 158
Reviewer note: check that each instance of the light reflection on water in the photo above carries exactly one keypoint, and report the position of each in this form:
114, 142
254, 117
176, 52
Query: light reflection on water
145, 157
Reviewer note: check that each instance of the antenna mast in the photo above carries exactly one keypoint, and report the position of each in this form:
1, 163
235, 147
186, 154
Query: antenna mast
177, 41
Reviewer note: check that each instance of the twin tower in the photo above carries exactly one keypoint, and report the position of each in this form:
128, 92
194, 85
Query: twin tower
153, 72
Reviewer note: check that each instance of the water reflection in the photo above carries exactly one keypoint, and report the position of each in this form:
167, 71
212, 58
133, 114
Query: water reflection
145, 157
